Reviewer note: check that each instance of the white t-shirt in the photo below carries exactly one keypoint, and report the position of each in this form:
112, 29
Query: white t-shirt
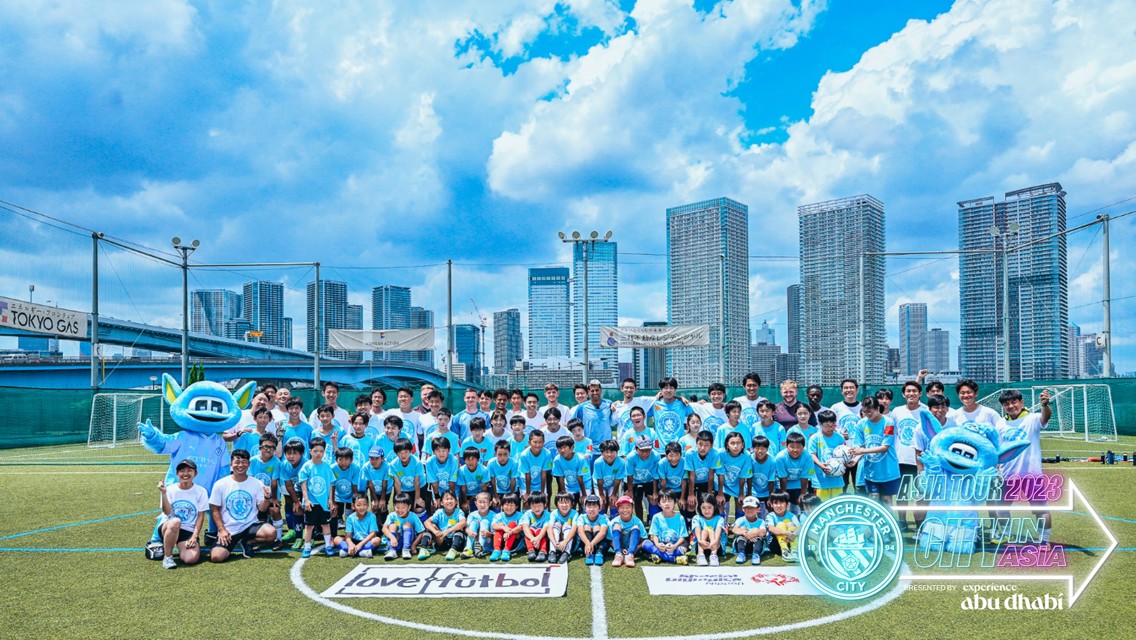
560, 405
749, 409
711, 418
981, 415
239, 501
279, 414
533, 423
846, 418
907, 425
186, 504
1027, 427
340, 418
410, 418
621, 411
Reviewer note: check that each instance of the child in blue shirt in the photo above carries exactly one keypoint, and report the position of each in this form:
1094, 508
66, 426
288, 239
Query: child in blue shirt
639, 429
735, 473
357, 440
507, 533
581, 444
403, 529
764, 478
445, 530
535, 466
266, 467
362, 531
295, 428
769, 428
479, 528
829, 480
477, 437
782, 526
316, 480
625, 533
642, 475
795, 470
518, 438
668, 532
407, 473
571, 469
441, 472
591, 528
472, 478
733, 424
562, 529
442, 430
708, 529
348, 479
293, 501
875, 443
376, 477
608, 472
701, 466
503, 474
750, 532
671, 470
534, 525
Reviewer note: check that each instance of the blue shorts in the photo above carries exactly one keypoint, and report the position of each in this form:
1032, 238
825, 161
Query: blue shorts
888, 488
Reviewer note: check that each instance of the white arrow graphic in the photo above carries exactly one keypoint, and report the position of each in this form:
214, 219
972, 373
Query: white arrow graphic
1073, 592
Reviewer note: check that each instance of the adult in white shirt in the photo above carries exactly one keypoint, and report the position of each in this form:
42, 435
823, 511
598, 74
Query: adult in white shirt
552, 394
411, 419
848, 409
340, 417
621, 409
280, 411
971, 412
1023, 473
248, 416
713, 413
236, 503
752, 384
908, 423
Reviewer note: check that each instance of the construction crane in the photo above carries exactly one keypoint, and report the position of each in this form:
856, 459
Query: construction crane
484, 326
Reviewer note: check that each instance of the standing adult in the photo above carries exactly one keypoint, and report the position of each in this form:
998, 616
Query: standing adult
786, 412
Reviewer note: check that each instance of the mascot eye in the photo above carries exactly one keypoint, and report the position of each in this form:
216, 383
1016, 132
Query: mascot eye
964, 450
201, 404
217, 406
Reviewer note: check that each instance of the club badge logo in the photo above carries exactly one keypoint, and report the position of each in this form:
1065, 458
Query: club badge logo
851, 547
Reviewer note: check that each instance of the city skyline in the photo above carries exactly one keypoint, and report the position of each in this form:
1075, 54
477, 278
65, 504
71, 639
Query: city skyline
383, 161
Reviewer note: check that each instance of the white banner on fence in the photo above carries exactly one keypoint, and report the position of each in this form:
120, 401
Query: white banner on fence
42, 319
380, 339
452, 581
683, 335
727, 581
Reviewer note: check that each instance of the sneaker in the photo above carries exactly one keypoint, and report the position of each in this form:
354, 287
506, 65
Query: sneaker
365, 553
598, 560
468, 553
406, 554
168, 562
391, 554
755, 560
701, 560
681, 560
306, 553
288, 536
789, 556
481, 555
629, 560
740, 559
278, 545
713, 559
532, 556
655, 559
298, 544
618, 562
506, 556
343, 553
565, 558
329, 551
423, 554
451, 555
495, 556
588, 559
542, 557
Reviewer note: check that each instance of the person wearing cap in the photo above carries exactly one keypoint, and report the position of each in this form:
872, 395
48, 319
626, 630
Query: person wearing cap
591, 528
750, 533
184, 506
642, 477
625, 533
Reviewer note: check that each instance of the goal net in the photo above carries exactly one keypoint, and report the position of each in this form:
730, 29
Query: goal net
1080, 411
115, 417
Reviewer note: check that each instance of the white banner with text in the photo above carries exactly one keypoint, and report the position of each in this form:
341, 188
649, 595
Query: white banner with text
727, 581
684, 335
451, 581
380, 339
42, 319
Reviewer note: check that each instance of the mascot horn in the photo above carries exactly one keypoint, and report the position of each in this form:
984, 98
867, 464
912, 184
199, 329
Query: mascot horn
959, 465
204, 410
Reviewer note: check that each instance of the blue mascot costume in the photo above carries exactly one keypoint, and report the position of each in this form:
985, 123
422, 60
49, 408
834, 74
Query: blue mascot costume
204, 410
959, 466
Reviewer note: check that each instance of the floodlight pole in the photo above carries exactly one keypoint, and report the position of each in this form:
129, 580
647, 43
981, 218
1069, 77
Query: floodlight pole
95, 235
184, 251
1106, 302
585, 243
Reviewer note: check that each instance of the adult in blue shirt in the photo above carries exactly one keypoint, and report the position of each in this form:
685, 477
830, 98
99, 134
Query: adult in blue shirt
596, 416
669, 412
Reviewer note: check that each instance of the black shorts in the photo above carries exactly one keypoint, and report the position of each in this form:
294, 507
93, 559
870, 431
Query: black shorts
639, 491
184, 535
248, 534
317, 516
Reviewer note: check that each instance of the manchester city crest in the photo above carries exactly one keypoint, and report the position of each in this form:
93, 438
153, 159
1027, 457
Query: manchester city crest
851, 547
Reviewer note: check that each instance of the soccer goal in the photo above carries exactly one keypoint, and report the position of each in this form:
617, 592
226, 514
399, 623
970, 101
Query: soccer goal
1080, 411
115, 417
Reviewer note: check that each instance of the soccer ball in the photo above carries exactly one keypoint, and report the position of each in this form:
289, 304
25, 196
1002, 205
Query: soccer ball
841, 455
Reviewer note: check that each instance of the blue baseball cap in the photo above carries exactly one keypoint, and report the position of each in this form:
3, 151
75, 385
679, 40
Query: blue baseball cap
377, 452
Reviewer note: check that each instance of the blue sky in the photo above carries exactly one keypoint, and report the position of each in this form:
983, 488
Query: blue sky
378, 136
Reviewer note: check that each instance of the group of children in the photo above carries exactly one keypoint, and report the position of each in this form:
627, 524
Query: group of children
432, 481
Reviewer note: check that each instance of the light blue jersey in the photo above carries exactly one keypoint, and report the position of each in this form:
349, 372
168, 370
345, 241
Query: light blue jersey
516, 447
597, 421
794, 470
377, 476
619, 524
444, 520
584, 447
702, 466
776, 434
444, 472
501, 475
669, 530
404, 475
289, 472
472, 481
301, 432
583, 520
347, 481
608, 473
265, 470
763, 473
749, 525
631, 436
671, 475
460, 423
725, 430
531, 469
360, 447
702, 523
734, 470
822, 446
643, 470
397, 522
670, 419
806, 433
534, 521
455, 445
358, 529
485, 447
562, 519
319, 480
878, 467
477, 523
573, 471
249, 442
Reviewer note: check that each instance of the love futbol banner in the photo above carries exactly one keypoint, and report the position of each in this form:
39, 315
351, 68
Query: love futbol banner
452, 581
727, 581
683, 335
380, 339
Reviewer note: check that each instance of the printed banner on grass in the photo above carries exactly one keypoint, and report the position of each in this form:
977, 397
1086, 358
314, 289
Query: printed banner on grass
451, 581
727, 581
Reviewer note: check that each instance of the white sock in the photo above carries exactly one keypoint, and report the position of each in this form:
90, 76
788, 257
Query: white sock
279, 524
327, 541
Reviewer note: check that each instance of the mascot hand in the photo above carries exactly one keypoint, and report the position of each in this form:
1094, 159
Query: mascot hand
147, 430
